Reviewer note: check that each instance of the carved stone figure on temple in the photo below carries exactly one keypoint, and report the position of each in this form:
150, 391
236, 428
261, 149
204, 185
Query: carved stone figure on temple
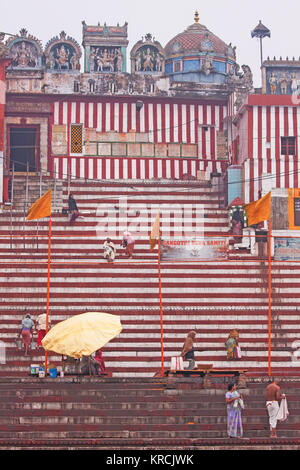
62, 58
273, 84
148, 61
284, 84
207, 64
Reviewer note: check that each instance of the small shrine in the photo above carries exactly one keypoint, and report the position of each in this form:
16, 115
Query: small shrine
62, 54
25, 51
105, 48
147, 56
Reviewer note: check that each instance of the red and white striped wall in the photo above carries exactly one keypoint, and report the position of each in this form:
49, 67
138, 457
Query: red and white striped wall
265, 168
165, 121
115, 168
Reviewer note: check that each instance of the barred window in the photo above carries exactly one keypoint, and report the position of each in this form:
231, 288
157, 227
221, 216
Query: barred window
288, 145
76, 138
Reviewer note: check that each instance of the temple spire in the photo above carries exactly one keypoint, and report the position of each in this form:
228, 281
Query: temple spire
196, 16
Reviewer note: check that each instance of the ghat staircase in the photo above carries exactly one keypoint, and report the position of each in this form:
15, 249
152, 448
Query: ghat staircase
211, 297
137, 413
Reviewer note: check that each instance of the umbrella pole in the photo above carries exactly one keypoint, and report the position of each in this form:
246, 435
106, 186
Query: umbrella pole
48, 289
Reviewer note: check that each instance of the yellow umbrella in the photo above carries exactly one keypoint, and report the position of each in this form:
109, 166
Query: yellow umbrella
82, 334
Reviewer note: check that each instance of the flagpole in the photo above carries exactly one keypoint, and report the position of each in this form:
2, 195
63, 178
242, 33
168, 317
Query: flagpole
161, 310
270, 306
48, 288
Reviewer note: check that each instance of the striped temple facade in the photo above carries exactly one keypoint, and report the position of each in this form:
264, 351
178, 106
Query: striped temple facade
263, 126
194, 126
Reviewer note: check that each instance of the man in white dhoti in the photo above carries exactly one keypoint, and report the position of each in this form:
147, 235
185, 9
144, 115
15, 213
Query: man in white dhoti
273, 396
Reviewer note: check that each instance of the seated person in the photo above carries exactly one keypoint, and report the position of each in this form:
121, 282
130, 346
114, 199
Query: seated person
89, 366
109, 250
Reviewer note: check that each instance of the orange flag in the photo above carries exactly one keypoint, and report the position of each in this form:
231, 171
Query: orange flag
154, 236
41, 208
258, 211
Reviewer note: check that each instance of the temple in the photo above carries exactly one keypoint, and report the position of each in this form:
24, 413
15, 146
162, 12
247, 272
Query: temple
133, 130
178, 101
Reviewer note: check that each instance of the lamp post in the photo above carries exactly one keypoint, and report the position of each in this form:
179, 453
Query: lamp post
261, 32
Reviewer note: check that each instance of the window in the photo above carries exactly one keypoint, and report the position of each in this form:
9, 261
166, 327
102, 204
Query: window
76, 138
177, 66
288, 145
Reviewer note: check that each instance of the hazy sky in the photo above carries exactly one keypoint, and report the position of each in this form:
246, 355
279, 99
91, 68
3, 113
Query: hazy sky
231, 20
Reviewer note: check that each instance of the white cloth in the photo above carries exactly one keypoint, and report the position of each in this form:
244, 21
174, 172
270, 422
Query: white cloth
177, 363
273, 408
109, 250
283, 410
41, 321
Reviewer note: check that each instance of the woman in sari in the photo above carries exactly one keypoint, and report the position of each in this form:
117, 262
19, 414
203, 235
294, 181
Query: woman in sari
234, 412
232, 344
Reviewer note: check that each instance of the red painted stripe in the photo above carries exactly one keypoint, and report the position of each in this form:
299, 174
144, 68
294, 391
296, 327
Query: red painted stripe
129, 168
103, 117
286, 159
188, 123
146, 117
112, 116
95, 169
196, 124
259, 144
138, 120
155, 134
277, 146
204, 154
213, 134
171, 122
86, 115
269, 164
86, 168
221, 117
250, 133
112, 168
163, 122
164, 168
77, 113
296, 177
60, 112
95, 116
77, 167
180, 123
129, 120
120, 117
147, 168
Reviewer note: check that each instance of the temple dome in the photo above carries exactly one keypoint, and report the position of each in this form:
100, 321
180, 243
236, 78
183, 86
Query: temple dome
195, 38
